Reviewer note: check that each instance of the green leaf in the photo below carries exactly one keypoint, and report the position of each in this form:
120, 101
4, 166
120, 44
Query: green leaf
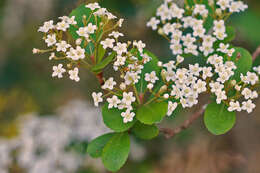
101, 53
143, 131
152, 113
231, 34
96, 146
148, 68
100, 66
218, 119
113, 119
243, 61
115, 152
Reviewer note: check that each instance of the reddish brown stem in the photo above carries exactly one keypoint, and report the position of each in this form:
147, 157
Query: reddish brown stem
256, 53
100, 78
168, 132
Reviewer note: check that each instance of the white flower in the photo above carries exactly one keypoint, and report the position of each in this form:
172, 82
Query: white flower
120, 60
108, 43
62, 46
180, 59
223, 4
82, 32
153, 22
221, 95
140, 45
51, 40
122, 86
58, 71
97, 97
234, 106
248, 106
200, 86
257, 69
35, 51
90, 28
46, 27
247, 93
252, 78
151, 77
109, 84
150, 86
206, 72
120, 48
116, 34
63, 26
77, 53
128, 98
113, 102
128, 116
171, 107
74, 74
131, 78
93, 6
176, 48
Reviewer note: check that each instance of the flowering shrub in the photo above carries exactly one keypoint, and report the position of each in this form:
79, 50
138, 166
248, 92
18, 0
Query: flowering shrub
148, 89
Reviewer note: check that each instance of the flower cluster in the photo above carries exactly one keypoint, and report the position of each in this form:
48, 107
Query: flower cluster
76, 52
189, 34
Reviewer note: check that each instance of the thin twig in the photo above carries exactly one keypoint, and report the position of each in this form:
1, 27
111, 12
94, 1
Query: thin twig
256, 53
168, 132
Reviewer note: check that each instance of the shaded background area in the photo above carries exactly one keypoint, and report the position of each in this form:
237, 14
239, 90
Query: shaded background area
26, 86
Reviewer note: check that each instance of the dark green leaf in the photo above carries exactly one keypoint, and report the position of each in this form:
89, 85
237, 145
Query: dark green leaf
145, 131
218, 119
100, 66
96, 146
115, 152
243, 61
152, 113
113, 119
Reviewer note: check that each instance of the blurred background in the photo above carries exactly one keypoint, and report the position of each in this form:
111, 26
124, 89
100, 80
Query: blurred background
45, 123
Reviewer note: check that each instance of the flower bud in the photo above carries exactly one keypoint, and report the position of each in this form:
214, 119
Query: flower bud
163, 74
159, 63
233, 82
78, 41
163, 89
160, 31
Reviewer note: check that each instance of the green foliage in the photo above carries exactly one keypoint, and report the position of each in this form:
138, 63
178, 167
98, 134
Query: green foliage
243, 61
115, 152
231, 34
101, 53
113, 119
152, 113
96, 146
218, 119
143, 131
148, 67
100, 66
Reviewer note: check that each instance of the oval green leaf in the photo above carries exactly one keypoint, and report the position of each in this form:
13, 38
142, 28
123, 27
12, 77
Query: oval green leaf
218, 119
144, 131
113, 119
243, 61
152, 113
115, 152
96, 146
